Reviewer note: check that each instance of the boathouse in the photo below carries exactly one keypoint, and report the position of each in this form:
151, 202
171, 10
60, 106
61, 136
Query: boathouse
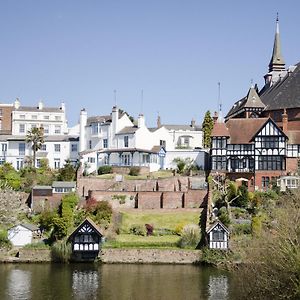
85, 241
218, 236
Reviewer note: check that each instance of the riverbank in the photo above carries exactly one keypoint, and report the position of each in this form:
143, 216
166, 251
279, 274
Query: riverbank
111, 256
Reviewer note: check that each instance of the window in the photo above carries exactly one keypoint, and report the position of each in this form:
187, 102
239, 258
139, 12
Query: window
270, 142
34, 117
95, 128
57, 118
22, 116
74, 147
265, 181
218, 236
4, 147
162, 143
20, 164
126, 141
44, 147
105, 143
46, 118
90, 144
218, 163
125, 158
46, 129
2, 160
271, 162
22, 128
33, 126
56, 163
146, 158
186, 141
21, 148
38, 163
91, 160
57, 129
57, 147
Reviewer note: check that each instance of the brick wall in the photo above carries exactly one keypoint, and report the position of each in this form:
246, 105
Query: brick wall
149, 200
41, 203
6, 119
195, 198
292, 165
270, 174
172, 199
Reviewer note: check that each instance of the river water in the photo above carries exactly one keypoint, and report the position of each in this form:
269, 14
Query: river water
113, 282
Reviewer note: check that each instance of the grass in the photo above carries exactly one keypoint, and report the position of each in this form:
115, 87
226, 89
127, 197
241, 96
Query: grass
106, 176
169, 220
136, 241
153, 175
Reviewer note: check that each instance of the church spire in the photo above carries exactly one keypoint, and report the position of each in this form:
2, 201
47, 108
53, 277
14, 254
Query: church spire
277, 63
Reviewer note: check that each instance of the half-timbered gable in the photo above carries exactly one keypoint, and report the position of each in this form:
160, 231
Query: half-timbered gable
218, 236
270, 147
85, 241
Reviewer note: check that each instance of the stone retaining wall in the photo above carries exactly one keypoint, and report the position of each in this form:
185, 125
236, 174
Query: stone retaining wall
35, 255
159, 256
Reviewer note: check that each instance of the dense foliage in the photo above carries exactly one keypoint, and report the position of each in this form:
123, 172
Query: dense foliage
104, 170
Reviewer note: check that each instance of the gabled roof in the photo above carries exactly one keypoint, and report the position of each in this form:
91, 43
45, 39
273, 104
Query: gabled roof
251, 100
294, 137
242, 131
89, 222
215, 224
285, 93
220, 129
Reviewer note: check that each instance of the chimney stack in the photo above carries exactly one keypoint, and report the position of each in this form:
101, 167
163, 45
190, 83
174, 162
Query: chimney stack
193, 123
215, 117
284, 121
158, 122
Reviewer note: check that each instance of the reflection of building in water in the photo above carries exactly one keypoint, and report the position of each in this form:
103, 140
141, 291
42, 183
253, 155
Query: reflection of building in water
218, 288
85, 284
19, 284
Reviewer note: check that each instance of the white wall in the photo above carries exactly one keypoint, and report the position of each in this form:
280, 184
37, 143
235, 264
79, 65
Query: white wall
20, 236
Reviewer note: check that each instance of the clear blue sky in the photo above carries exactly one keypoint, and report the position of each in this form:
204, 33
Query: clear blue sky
176, 51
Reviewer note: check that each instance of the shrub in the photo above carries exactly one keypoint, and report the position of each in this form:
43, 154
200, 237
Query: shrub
138, 229
190, 236
240, 229
223, 216
213, 256
104, 170
256, 225
179, 227
61, 251
134, 171
121, 198
4, 241
101, 213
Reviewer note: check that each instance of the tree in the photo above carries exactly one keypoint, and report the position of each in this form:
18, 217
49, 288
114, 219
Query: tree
207, 127
68, 172
35, 136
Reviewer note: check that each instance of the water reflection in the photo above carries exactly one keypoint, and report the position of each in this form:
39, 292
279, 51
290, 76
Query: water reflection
18, 285
113, 282
218, 287
85, 284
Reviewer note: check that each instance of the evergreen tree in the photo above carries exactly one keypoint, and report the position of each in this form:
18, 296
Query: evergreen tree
207, 127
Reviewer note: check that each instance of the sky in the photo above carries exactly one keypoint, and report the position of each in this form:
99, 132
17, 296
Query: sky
162, 57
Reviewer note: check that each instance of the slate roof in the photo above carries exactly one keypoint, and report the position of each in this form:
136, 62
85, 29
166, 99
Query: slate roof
30, 227
49, 138
67, 184
128, 130
36, 109
241, 131
294, 137
285, 93
251, 100
182, 127
98, 119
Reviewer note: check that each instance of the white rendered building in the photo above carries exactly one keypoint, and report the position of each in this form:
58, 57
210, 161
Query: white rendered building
115, 140
58, 147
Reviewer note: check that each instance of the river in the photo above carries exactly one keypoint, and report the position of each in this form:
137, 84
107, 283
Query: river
113, 282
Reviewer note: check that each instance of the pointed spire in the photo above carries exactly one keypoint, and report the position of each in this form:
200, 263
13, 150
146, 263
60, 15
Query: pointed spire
277, 63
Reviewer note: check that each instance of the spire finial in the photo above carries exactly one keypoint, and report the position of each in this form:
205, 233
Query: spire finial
277, 17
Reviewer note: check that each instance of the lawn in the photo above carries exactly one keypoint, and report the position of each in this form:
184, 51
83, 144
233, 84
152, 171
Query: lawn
165, 219
137, 241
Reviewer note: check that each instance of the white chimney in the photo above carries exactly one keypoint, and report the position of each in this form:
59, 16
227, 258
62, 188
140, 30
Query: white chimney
40, 105
82, 125
17, 103
141, 121
63, 106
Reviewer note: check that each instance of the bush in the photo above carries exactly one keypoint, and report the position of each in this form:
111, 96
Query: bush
163, 231
256, 226
101, 213
179, 228
121, 198
190, 236
4, 241
104, 170
134, 171
213, 256
240, 229
223, 216
138, 229
61, 251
